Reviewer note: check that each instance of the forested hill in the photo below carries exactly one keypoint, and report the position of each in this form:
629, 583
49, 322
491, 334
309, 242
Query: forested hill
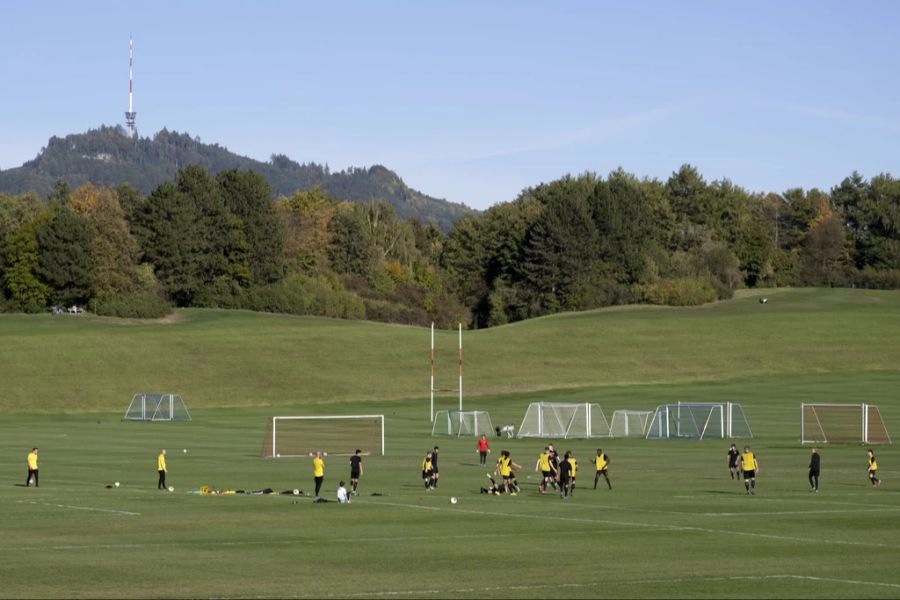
106, 156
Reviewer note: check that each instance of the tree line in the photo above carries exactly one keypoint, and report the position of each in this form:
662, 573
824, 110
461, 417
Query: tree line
575, 243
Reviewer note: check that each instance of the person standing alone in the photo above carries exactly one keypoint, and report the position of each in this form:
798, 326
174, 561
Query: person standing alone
356, 469
161, 469
483, 447
749, 465
601, 462
872, 467
31, 461
318, 471
814, 465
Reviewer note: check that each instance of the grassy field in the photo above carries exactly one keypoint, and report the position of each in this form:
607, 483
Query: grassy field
674, 525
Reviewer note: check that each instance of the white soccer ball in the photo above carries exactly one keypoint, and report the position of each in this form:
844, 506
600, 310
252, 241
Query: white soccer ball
324, 454
185, 450
453, 499
171, 488
116, 484
296, 492
277, 456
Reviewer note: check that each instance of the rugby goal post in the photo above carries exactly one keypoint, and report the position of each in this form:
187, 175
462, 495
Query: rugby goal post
698, 421
630, 423
340, 435
564, 420
154, 406
462, 423
842, 424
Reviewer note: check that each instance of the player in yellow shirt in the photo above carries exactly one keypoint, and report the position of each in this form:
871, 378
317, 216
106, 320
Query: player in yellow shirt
545, 466
32, 462
505, 467
428, 471
601, 462
573, 471
161, 469
872, 468
318, 471
749, 465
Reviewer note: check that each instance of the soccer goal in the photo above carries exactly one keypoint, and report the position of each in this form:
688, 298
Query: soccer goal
152, 406
842, 424
630, 423
340, 435
564, 420
462, 423
699, 420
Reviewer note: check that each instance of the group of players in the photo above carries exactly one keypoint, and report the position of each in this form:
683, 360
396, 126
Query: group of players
745, 464
558, 472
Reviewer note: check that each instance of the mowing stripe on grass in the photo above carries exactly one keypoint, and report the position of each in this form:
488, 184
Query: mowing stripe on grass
104, 510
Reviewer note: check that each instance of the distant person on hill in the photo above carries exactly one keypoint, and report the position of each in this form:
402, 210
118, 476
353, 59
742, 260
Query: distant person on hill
601, 462
318, 471
435, 475
815, 464
872, 467
483, 447
356, 469
161, 469
32, 462
427, 472
749, 465
733, 455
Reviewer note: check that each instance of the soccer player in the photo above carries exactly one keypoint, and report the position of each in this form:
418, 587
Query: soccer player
161, 469
318, 471
565, 471
32, 461
733, 455
505, 467
572, 472
427, 471
483, 447
749, 465
435, 475
601, 462
554, 463
814, 465
544, 465
342, 496
872, 468
356, 469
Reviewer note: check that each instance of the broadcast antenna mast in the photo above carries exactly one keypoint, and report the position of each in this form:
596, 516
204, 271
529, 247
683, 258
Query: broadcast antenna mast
130, 114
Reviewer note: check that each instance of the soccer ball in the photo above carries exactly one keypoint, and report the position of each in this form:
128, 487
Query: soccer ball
116, 484
171, 488
324, 454
185, 450
277, 456
296, 492
454, 500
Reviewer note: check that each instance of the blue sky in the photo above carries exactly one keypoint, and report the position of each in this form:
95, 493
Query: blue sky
474, 101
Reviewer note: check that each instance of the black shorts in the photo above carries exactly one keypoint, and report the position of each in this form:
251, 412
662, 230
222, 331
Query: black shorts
426, 474
354, 474
750, 474
601, 471
732, 464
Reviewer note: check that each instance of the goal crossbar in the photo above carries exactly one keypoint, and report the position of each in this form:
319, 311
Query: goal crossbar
286, 436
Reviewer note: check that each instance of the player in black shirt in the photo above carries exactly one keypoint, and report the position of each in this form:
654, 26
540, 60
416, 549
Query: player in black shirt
356, 469
733, 455
434, 467
565, 471
814, 464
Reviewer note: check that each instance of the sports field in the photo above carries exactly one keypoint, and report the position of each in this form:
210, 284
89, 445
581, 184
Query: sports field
674, 524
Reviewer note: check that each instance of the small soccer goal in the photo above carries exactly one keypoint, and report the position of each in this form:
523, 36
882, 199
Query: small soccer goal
564, 420
153, 406
842, 424
698, 421
630, 423
339, 435
462, 423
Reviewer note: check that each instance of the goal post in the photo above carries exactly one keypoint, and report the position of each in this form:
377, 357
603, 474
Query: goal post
699, 420
340, 435
630, 423
432, 390
155, 406
564, 420
842, 424
462, 423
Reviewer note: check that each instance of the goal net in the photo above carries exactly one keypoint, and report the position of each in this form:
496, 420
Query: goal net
462, 423
151, 406
842, 424
564, 420
630, 423
699, 420
339, 435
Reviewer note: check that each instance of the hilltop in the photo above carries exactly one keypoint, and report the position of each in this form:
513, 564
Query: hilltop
106, 156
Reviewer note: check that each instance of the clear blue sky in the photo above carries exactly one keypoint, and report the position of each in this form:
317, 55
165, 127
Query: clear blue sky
474, 101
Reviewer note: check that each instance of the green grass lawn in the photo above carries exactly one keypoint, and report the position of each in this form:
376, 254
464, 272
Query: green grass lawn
674, 525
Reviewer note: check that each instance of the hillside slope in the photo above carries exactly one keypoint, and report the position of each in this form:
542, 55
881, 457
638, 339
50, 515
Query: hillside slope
105, 156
